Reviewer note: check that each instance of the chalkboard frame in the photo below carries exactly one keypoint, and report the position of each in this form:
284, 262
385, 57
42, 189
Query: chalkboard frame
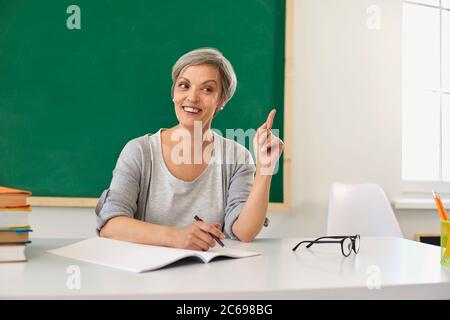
288, 92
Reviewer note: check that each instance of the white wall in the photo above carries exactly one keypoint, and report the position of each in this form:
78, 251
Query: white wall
62, 222
347, 116
347, 111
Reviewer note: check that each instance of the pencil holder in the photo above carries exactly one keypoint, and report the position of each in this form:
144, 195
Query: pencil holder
445, 244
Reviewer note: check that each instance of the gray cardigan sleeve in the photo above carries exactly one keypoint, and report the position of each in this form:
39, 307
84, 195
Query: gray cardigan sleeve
240, 185
122, 196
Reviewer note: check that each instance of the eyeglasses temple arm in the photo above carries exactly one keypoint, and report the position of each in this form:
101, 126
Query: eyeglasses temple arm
312, 242
298, 244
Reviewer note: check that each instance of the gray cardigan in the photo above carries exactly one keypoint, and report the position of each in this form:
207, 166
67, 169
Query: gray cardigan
129, 189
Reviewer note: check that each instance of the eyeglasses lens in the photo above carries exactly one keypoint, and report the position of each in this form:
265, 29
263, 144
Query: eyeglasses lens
357, 243
347, 247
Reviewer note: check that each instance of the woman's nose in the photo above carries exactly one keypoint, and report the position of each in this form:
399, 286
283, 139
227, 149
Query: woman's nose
193, 96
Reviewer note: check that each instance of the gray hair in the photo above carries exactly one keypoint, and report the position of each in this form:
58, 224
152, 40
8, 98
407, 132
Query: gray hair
212, 57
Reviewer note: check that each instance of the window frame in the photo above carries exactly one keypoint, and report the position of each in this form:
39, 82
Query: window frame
423, 187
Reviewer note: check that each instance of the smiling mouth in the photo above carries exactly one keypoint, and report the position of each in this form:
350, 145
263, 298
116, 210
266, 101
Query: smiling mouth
192, 110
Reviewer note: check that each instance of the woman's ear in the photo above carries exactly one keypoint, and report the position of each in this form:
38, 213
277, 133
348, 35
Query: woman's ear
220, 107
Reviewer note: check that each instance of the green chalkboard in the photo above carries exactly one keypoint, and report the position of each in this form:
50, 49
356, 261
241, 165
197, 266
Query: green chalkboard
71, 98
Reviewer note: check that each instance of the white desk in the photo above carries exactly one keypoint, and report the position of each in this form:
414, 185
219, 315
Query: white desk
406, 269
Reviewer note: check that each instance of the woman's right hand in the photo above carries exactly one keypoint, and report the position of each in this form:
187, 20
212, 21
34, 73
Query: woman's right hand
195, 236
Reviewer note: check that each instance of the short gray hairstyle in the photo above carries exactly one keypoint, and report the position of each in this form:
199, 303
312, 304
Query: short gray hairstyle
212, 57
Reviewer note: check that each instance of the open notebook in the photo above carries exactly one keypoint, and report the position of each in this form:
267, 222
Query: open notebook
139, 257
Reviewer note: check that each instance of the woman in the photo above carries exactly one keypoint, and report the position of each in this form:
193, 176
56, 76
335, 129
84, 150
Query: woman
160, 184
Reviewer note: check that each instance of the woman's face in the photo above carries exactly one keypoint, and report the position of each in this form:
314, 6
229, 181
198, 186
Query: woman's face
196, 95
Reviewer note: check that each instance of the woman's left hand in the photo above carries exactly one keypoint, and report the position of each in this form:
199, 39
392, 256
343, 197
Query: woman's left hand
267, 146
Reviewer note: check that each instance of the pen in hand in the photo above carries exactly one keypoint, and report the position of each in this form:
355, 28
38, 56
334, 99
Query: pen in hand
214, 237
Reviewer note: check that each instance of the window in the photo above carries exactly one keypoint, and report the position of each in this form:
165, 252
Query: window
426, 95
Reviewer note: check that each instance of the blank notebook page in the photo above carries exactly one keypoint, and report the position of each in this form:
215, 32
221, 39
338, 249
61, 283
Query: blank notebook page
138, 257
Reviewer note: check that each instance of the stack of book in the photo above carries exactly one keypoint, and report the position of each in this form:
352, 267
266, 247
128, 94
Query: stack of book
14, 224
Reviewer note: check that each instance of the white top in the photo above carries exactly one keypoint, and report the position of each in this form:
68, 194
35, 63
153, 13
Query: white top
402, 269
174, 202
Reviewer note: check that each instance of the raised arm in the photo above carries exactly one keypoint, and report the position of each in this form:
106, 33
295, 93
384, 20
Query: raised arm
268, 149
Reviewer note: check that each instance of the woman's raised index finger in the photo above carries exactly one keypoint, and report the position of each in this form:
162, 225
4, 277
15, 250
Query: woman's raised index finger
269, 120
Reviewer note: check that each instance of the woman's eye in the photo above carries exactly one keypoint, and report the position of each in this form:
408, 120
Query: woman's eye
183, 85
208, 89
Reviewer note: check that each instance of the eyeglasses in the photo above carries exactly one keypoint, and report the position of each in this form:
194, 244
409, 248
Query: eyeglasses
348, 243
